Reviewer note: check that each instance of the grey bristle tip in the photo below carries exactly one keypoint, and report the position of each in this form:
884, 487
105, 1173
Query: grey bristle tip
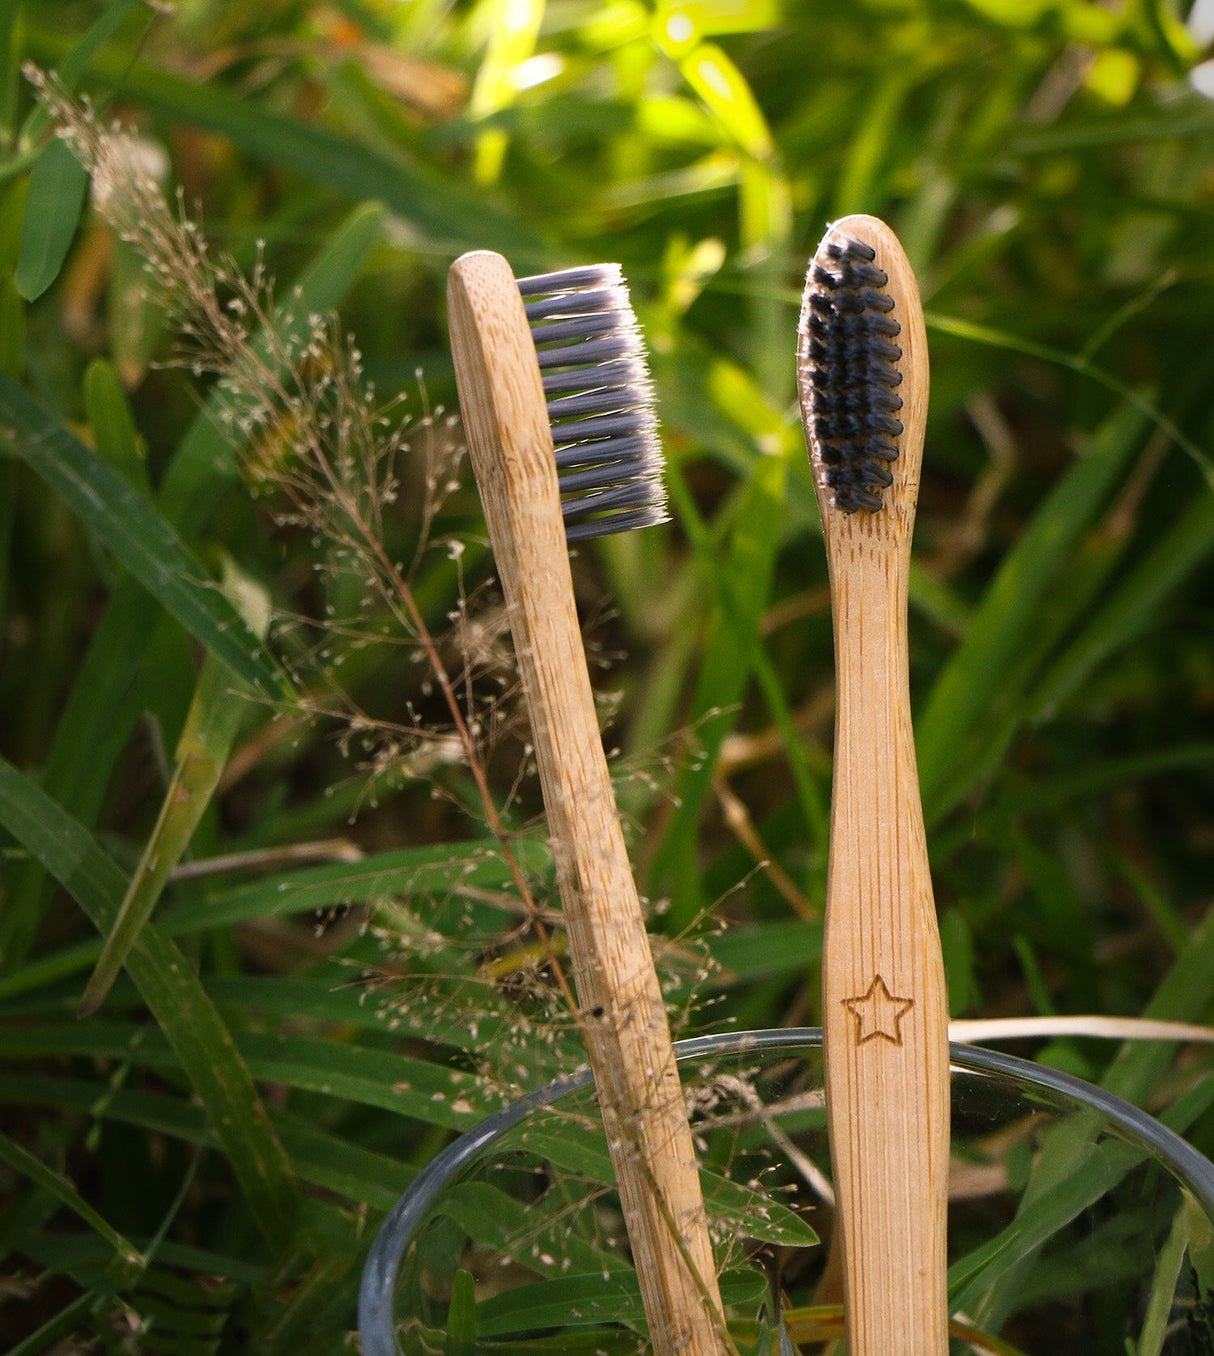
600, 400
848, 329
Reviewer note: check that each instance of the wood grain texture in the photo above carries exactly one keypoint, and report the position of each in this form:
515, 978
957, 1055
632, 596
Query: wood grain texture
622, 1014
885, 1008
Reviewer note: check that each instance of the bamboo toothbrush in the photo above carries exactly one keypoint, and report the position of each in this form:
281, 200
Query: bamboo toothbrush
559, 382
863, 380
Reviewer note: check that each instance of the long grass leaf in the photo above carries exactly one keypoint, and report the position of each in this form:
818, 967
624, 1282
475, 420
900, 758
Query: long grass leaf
1163, 1288
1006, 618
127, 1258
437, 870
138, 536
1104, 1165
52, 212
449, 218
461, 1316
104, 700
176, 998
1069, 1165
202, 754
417, 1088
340, 1165
74, 57
741, 584
443, 871
1135, 399
64, 1324
1133, 606
10, 74
1183, 996
115, 435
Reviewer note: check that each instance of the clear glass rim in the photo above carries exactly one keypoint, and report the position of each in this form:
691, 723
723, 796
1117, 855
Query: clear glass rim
376, 1310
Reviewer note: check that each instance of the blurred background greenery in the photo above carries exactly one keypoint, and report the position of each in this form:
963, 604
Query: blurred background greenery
369, 980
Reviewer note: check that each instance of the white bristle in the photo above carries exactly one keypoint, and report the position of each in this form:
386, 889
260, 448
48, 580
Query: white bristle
600, 400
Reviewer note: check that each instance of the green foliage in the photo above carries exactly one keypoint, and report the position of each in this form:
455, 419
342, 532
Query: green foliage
353, 952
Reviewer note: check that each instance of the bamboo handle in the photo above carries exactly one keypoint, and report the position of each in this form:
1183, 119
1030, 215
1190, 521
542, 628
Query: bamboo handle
622, 1014
885, 1007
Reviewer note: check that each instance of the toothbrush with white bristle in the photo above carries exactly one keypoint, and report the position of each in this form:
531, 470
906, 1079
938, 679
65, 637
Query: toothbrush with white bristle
557, 408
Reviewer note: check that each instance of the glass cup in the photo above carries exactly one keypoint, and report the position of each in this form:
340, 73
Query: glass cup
1077, 1223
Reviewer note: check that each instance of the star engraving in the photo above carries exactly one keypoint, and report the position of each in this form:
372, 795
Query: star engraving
878, 1013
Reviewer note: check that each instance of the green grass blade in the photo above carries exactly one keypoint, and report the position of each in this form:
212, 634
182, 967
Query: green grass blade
52, 212
423, 1090
76, 60
448, 217
420, 1089
64, 1324
128, 1261
741, 583
72, 59
871, 141
202, 754
1134, 605
103, 705
1163, 1289
138, 536
431, 872
176, 997
723, 89
1002, 1257
461, 1316
1069, 1166
437, 872
10, 70
115, 435
1064, 788
104, 700
1009, 613
982, 334
1183, 996
325, 1160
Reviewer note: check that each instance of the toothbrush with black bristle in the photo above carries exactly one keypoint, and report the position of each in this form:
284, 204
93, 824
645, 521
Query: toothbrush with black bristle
862, 374
558, 412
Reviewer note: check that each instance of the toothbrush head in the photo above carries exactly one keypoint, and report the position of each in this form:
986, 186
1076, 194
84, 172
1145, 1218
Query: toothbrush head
600, 400
850, 354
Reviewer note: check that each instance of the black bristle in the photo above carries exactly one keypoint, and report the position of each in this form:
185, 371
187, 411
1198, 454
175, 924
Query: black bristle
600, 400
850, 331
